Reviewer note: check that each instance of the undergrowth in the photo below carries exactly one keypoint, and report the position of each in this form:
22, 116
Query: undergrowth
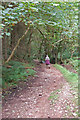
71, 77
74, 62
15, 71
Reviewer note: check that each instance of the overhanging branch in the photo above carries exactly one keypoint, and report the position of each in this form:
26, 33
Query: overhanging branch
47, 39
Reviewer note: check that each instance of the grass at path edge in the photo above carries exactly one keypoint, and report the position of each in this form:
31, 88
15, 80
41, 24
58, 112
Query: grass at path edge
72, 78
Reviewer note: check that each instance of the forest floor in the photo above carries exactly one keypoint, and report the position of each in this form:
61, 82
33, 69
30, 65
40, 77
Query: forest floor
46, 95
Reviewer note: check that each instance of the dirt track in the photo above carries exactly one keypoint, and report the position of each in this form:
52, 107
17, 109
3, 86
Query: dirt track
33, 100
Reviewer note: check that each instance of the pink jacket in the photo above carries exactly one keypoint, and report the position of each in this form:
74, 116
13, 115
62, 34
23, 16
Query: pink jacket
47, 62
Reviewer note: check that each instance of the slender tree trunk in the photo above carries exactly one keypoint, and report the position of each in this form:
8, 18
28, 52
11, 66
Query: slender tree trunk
61, 55
13, 38
29, 45
21, 28
5, 47
40, 49
45, 47
72, 53
56, 56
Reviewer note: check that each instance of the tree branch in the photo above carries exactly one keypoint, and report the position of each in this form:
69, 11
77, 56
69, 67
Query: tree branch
49, 41
45, 37
58, 41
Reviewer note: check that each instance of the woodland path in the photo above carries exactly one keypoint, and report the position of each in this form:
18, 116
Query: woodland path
32, 101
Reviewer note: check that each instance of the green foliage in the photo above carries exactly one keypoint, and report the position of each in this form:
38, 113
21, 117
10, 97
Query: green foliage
52, 14
74, 62
66, 54
57, 21
16, 73
30, 72
72, 78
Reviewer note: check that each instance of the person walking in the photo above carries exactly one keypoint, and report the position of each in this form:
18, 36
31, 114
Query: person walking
47, 61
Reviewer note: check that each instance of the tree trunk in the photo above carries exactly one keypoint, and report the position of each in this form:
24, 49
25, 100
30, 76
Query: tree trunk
40, 49
56, 56
13, 38
45, 47
61, 55
72, 53
5, 47
29, 45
